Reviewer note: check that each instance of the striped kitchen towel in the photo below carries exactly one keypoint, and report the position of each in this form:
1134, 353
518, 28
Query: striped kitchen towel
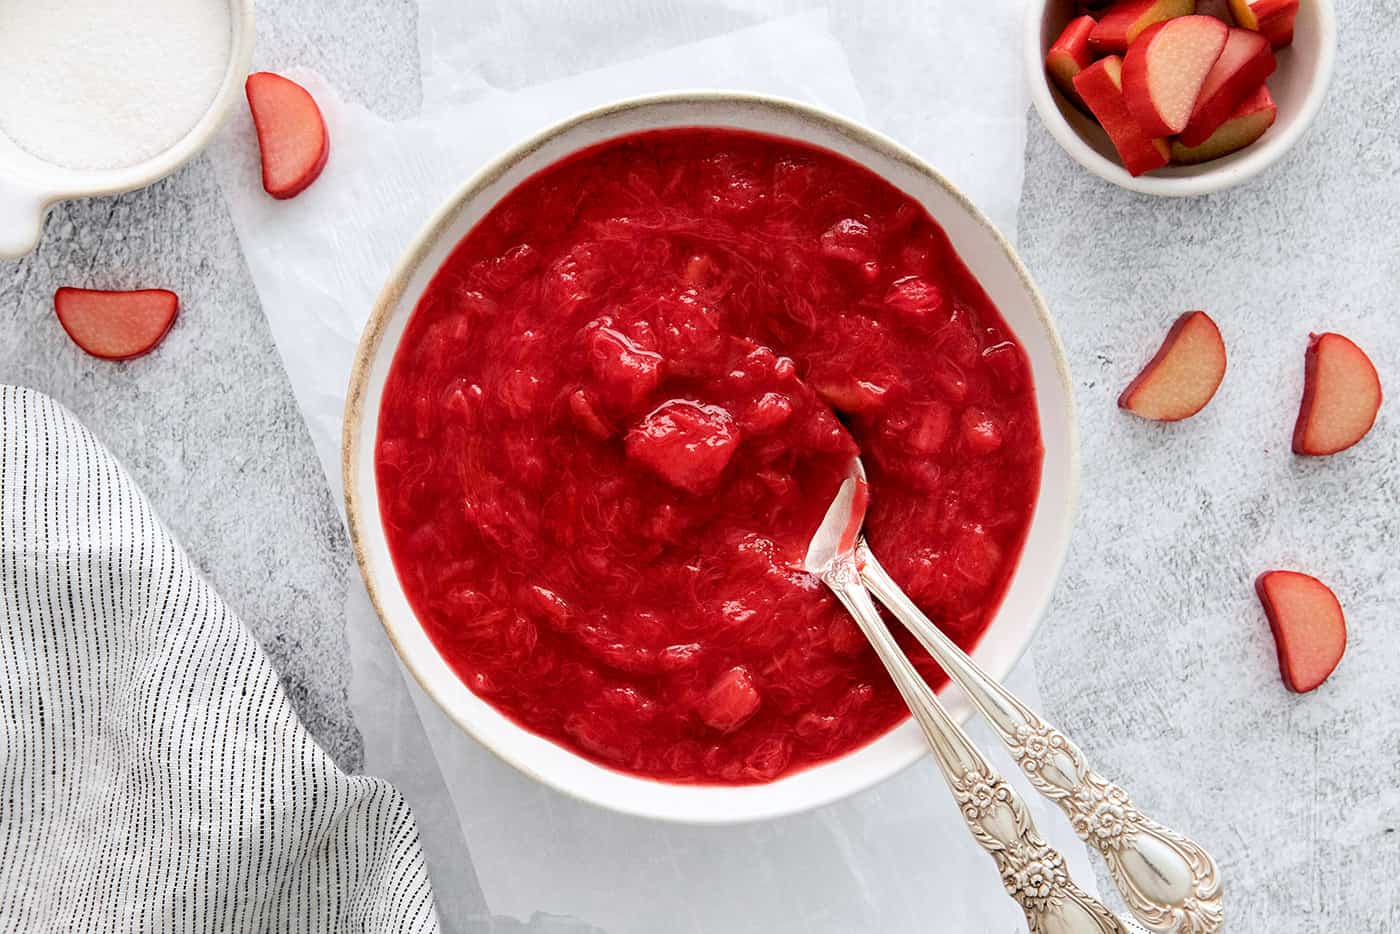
153, 776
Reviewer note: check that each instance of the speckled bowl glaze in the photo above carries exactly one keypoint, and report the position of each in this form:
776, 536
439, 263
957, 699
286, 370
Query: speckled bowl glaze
1299, 87
30, 185
985, 252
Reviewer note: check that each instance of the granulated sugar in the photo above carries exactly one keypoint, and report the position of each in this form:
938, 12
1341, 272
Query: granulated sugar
100, 84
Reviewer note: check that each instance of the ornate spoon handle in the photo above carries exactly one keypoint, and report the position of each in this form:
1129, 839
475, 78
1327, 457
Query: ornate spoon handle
1032, 871
1169, 882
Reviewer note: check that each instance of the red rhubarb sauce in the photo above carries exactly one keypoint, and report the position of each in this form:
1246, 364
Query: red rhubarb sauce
620, 410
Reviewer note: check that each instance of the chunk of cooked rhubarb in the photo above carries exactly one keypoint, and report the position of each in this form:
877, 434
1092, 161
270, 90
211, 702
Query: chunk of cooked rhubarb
116, 325
1310, 630
731, 700
1238, 73
1165, 69
1125, 21
1341, 396
1100, 86
686, 443
1071, 54
1183, 376
1249, 121
1272, 18
291, 132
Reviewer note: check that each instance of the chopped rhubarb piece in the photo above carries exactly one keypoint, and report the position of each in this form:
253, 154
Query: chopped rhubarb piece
1272, 18
1279, 31
1237, 75
1100, 86
980, 430
1125, 21
1165, 69
1249, 121
1071, 54
116, 325
1309, 628
626, 373
686, 443
1183, 376
291, 133
1341, 396
915, 296
731, 700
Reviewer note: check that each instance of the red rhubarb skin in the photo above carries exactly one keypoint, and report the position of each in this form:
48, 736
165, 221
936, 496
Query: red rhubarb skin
1070, 55
596, 603
1238, 74
1272, 18
1114, 30
1103, 95
1279, 30
1074, 41
1125, 21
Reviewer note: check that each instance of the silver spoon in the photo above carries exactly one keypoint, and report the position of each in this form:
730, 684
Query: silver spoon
1170, 883
1032, 871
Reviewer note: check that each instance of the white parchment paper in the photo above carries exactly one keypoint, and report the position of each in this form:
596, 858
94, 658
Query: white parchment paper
895, 859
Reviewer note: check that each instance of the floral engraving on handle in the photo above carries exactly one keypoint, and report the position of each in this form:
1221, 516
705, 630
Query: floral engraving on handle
1032, 871
1035, 879
978, 792
1104, 816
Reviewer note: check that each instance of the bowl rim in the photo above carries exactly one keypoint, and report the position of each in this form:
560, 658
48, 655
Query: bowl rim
360, 526
37, 185
1207, 177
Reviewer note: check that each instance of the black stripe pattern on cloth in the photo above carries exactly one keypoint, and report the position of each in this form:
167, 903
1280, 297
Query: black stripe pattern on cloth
153, 776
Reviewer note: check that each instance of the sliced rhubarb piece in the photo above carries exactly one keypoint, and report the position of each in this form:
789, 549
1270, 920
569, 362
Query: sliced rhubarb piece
1125, 21
1310, 630
1271, 18
1071, 54
1249, 121
1238, 73
1165, 69
1341, 396
291, 133
1100, 86
1183, 376
116, 325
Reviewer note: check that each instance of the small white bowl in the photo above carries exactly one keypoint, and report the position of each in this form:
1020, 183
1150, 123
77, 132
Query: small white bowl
989, 257
30, 185
1299, 87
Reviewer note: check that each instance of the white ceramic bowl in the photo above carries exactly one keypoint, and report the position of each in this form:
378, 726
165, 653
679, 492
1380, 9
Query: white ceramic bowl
988, 256
1299, 87
29, 185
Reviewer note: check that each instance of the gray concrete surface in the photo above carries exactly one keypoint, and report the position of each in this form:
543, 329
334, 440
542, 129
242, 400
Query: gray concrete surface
1155, 655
